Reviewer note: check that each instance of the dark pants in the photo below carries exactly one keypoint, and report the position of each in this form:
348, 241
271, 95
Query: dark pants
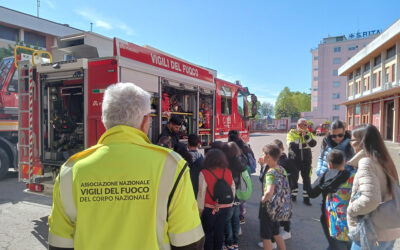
213, 226
285, 225
334, 244
232, 226
305, 175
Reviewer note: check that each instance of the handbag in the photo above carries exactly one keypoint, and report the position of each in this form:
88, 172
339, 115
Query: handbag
387, 214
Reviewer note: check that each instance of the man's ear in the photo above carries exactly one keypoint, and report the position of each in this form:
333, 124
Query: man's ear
144, 126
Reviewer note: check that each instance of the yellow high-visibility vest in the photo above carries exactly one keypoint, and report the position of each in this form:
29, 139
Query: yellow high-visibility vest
115, 195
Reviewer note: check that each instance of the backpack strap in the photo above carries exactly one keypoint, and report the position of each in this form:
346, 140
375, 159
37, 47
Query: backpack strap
208, 191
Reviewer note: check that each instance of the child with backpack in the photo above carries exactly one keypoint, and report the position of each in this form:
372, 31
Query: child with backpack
291, 170
275, 203
197, 161
335, 186
215, 197
237, 164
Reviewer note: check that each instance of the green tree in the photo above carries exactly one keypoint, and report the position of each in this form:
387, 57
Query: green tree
6, 52
288, 104
266, 109
303, 101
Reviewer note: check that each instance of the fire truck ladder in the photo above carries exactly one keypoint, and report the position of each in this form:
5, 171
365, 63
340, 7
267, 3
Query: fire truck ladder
25, 89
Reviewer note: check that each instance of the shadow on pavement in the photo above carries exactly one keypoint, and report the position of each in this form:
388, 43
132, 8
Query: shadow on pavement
12, 191
41, 230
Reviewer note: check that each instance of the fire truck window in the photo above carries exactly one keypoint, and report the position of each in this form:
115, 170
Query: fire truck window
240, 103
13, 86
226, 100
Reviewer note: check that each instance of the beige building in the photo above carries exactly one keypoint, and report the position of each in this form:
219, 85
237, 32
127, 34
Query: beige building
18, 26
373, 84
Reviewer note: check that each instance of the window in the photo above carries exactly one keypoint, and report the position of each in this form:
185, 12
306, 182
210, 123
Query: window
13, 85
374, 80
366, 67
350, 76
337, 49
357, 109
336, 107
358, 72
353, 47
391, 52
335, 72
377, 61
339, 39
34, 39
226, 100
315, 68
240, 103
336, 84
315, 78
336, 95
315, 108
315, 98
8, 33
315, 58
334, 118
315, 89
337, 60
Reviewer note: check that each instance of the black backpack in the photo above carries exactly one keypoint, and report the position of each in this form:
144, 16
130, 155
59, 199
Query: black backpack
222, 191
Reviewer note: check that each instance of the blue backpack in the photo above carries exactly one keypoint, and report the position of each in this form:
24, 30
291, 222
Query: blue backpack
251, 162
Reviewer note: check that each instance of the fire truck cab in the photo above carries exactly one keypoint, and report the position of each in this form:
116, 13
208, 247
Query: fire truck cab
60, 109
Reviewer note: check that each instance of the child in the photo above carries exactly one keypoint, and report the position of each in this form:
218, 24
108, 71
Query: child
290, 168
268, 227
213, 213
165, 142
197, 161
335, 186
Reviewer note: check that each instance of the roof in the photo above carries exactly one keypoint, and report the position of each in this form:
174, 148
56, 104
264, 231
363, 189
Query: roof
38, 24
381, 42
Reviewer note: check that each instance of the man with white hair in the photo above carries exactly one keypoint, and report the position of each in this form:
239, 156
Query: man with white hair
300, 141
124, 192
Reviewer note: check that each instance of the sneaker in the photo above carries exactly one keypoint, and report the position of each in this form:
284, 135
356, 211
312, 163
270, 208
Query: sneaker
286, 235
274, 246
293, 198
242, 221
307, 201
235, 246
229, 247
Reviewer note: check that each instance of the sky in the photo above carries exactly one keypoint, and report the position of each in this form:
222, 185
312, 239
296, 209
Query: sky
264, 44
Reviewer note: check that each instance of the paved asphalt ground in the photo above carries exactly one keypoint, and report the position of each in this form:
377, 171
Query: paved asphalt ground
23, 217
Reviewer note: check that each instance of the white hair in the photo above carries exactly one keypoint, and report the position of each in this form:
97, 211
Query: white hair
125, 104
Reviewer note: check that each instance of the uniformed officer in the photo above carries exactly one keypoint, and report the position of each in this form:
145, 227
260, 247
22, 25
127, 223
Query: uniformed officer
124, 192
300, 141
172, 130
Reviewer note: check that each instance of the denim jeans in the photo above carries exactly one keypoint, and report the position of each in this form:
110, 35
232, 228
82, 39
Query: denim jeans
232, 226
383, 245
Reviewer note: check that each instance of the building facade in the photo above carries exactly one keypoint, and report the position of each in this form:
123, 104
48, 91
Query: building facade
373, 84
327, 87
18, 26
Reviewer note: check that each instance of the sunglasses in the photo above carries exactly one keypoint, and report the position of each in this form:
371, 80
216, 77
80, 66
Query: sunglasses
338, 136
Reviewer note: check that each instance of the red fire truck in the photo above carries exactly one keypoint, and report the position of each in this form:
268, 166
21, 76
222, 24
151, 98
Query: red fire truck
8, 116
60, 106
9, 108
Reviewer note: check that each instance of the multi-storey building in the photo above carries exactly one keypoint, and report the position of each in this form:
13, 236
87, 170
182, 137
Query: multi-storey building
373, 84
18, 26
327, 87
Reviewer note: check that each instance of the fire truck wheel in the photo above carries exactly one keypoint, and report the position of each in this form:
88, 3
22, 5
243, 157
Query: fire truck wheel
4, 163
